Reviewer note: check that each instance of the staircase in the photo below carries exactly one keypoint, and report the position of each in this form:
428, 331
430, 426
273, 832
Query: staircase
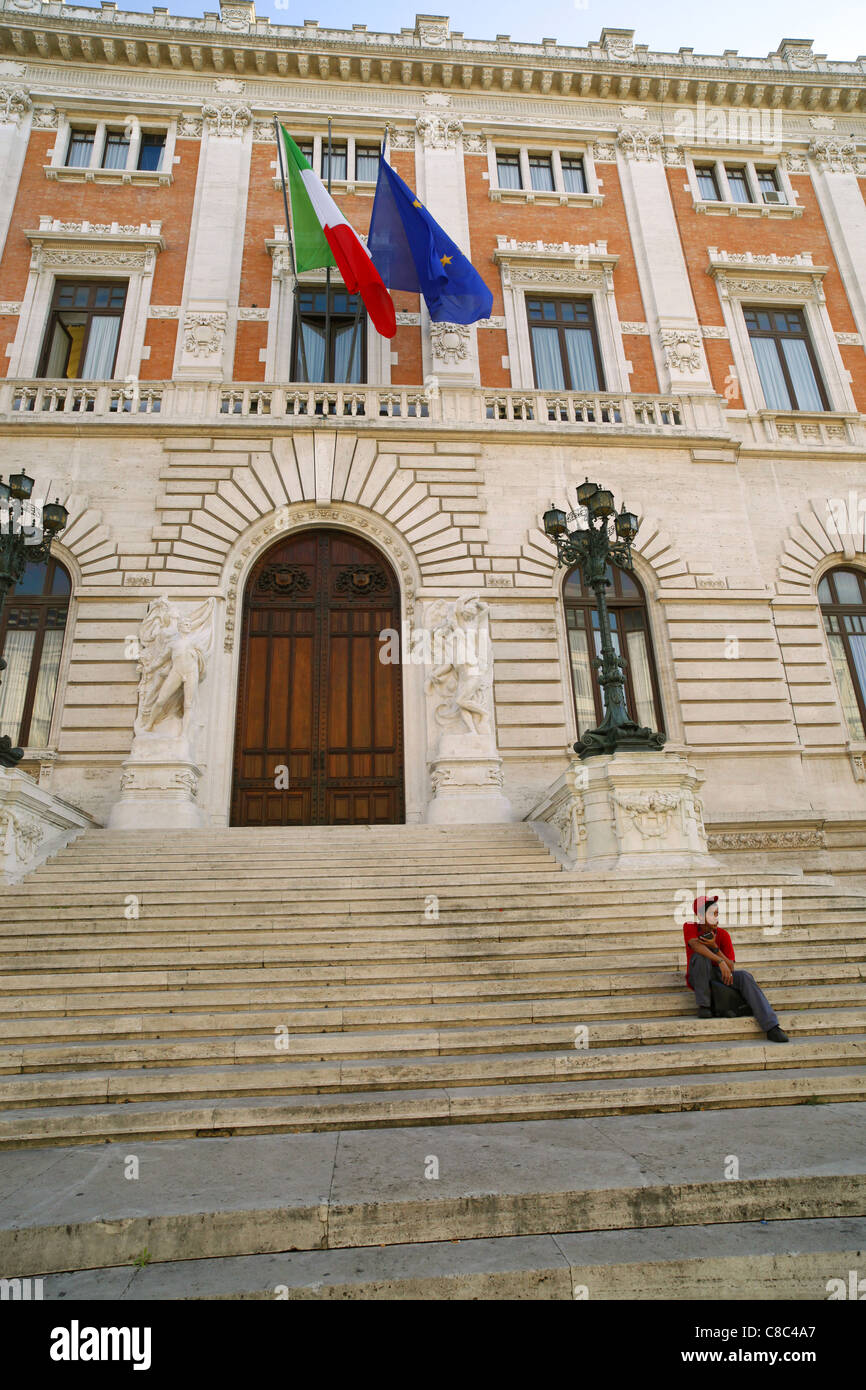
235, 982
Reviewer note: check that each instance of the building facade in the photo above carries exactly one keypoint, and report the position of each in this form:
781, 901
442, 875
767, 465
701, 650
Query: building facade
676, 246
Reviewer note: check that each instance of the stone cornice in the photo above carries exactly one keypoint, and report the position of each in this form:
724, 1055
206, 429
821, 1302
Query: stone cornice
430, 55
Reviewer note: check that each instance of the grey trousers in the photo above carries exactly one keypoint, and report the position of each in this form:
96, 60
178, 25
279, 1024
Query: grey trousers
702, 971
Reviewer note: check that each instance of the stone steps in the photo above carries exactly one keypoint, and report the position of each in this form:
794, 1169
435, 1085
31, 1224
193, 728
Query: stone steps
785, 1260
74, 1122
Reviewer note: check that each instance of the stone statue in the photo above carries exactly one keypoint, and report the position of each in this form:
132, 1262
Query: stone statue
461, 682
173, 648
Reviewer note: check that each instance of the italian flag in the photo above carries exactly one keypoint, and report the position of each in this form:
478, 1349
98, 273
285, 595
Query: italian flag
323, 237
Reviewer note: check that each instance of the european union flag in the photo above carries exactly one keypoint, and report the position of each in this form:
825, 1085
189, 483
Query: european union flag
411, 252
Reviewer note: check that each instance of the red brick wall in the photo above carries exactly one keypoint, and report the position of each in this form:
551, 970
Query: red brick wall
170, 204
764, 236
578, 225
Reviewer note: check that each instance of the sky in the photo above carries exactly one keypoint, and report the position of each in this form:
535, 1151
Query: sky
754, 29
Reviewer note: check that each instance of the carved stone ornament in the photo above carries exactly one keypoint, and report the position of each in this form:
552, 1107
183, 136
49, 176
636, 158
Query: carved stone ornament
682, 349
283, 579
768, 839
569, 818
651, 813
45, 118
227, 118
190, 127
402, 138
362, 580
837, 156
19, 835
460, 685
174, 646
620, 46
203, 333
639, 144
450, 341
439, 132
474, 144
235, 19
433, 33
14, 103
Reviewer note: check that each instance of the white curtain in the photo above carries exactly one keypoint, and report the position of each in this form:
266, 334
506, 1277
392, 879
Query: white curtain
770, 372
802, 375
101, 342
847, 695
573, 179
115, 154
508, 175
314, 346
581, 359
542, 177
581, 676
80, 150
58, 357
46, 685
548, 362
343, 349
638, 658
13, 681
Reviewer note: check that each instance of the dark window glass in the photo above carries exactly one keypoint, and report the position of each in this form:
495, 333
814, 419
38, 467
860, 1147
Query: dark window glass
785, 359
346, 351
573, 174
565, 352
709, 189
80, 148
508, 171
631, 639
83, 330
739, 185
150, 153
366, 163
32, 625
337, 161
842, 595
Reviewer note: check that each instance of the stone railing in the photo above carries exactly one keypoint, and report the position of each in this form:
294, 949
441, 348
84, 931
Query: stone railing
194, 403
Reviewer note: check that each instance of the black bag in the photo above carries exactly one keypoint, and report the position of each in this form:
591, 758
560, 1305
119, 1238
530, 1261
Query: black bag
727, 1000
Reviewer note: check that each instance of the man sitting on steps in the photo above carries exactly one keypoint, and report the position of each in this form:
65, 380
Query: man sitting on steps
710, 956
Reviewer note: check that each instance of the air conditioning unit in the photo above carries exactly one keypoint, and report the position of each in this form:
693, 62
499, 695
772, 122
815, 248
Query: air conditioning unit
774, 196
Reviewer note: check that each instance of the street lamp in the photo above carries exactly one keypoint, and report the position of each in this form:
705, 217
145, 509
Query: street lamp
592, 549
15, 552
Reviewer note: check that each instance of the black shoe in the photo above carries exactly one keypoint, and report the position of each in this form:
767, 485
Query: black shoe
729, 1014
776, 1035
705, 1013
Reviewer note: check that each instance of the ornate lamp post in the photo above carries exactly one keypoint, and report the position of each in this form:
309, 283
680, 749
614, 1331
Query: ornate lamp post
14, 555
592, 548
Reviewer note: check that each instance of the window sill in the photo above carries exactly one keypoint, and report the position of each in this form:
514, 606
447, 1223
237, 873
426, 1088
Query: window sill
720, 209
363, 188
146, 177
550, 198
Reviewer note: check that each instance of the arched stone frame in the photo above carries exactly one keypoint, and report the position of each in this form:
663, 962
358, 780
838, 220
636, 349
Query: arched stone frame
220, 704
45, 754
829, 533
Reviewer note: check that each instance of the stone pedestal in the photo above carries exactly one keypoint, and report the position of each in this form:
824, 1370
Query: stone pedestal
34, 824
629, 813
157, 794
467, 783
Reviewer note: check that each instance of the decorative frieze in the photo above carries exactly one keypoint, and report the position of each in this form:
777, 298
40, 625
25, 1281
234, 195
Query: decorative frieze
8, 306
252, 315
14, 103
163, 311
634, 328
837, 157
767, 839
227, 119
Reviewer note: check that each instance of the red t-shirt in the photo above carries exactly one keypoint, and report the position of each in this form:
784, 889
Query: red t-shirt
723, 942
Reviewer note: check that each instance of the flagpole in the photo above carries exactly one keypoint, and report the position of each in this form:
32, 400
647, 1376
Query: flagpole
358, 307
327, 373
300, 330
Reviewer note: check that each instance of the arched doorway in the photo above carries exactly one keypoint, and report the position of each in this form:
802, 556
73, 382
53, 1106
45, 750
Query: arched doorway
32, 629
319, 728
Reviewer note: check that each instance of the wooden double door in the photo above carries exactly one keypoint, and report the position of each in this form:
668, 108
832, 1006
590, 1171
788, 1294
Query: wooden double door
319, 731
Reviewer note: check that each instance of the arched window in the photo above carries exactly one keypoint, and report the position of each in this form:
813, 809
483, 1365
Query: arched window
631, 640
842, 595
32, 625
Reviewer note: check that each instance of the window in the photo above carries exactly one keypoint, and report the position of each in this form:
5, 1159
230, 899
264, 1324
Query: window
631, 640
366, 163
541, 173
709, 189
83, 330
347, 349
80, 148
738, 183
336, 163
785, 359
31, 639
508, 170
573, 174
116, 150
769, 186
306, 148
151, 150
565, 353
842, 595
